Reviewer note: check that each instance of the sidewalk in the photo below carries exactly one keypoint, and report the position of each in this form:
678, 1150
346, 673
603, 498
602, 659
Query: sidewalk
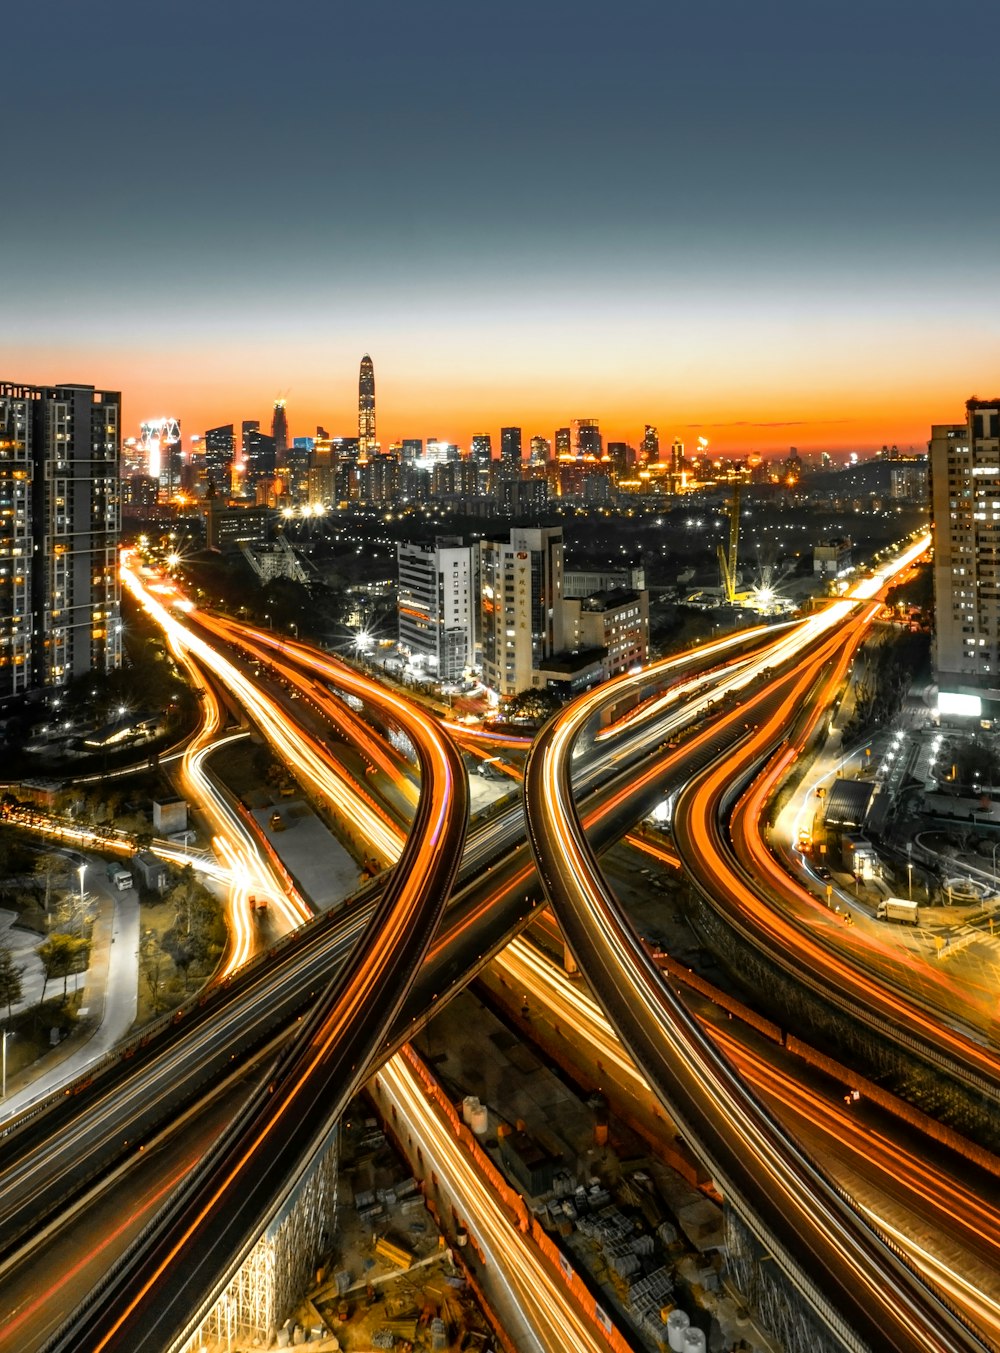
107, 1010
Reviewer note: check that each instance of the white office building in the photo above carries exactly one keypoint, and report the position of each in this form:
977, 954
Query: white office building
436, 606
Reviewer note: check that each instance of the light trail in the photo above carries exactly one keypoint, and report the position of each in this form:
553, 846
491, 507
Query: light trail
934, 1198
552, 1320
856, 1286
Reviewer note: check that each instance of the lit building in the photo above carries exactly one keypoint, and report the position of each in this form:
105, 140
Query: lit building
510, 447
220, 450
160, 443
587, 438
615, 621
321, 475
541, 451
59, 531
650, 443
563, 444
832, 557
521, 606
279, 430
367, 441
412, 450
435, 601
258, 454
378, 481
965, 515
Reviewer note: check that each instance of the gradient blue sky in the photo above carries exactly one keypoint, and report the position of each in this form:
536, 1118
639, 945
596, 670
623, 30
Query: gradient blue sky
774, 222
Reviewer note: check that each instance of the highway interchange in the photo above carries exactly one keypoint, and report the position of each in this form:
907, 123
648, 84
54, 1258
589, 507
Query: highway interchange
477, 926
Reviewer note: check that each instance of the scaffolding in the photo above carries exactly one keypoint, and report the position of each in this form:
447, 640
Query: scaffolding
280, 1268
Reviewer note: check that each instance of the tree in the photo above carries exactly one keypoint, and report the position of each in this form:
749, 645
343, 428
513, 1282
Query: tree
152, 973
61, 955
51, 868
532, 705
11, 986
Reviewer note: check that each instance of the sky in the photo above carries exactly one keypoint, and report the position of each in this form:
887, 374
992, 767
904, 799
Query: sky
770, 223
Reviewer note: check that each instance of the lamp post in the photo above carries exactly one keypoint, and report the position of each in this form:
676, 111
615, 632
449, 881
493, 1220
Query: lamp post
909, 879
3, 1089
83, 870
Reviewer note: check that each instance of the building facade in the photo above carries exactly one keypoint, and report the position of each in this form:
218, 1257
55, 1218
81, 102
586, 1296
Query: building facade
436, 605
616, 621
367, 441
521, 606
59, 530
965, 521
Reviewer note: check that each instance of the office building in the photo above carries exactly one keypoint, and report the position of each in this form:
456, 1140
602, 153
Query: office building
220, 451
520, 606
510, 448
650, 449
412, 450
258, 455
437, 605
367, 441
540, 451
482, 449
160, 443
965, 517
59, 530
616, 621
321, 474
587, 442
279, 430
563, 444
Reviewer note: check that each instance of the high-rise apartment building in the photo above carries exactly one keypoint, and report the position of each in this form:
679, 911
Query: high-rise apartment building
436, 605
541, 451
563, 443
510, 448
521, 606
59, 529
367, 440
965, 516
650, 443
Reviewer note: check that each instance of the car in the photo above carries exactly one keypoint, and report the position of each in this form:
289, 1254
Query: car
823, 873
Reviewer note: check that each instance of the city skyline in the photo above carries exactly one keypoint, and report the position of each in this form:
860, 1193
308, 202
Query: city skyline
747, 229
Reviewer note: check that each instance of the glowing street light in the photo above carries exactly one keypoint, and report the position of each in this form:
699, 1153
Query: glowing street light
83, 870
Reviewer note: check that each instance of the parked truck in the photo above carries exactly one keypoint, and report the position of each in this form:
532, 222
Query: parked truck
119, 877
898, 909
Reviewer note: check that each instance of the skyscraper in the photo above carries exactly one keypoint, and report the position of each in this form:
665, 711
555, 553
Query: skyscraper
482, 449
562, 444
59, 529
279, 430
965, 517
510, 448
651, 443
220, 448
366, 409
586, 438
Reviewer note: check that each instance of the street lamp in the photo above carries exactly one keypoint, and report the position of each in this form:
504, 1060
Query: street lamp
909, 879
83, 870
6, 1033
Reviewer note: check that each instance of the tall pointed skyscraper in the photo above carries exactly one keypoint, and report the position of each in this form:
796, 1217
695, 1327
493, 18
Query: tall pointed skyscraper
279, 429
366, 409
